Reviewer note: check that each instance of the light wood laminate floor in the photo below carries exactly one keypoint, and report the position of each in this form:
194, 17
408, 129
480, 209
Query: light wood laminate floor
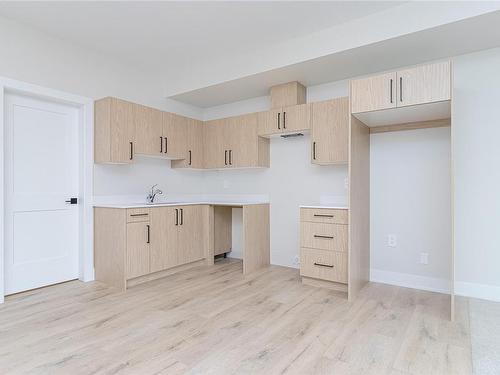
213, 320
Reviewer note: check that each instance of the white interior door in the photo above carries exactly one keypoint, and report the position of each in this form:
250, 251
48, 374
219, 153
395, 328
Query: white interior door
41, 173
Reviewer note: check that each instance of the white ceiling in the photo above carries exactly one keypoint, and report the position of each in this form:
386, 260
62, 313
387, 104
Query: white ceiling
469, 35
163, 35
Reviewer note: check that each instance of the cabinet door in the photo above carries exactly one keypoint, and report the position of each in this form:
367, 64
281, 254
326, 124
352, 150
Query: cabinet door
175, 132
149, 131
424, 84
243, 146
270, 122
195, 144
138, 249
191, 246
373, 93
214, 134
122, 131
164, 238
296, 118
330, 131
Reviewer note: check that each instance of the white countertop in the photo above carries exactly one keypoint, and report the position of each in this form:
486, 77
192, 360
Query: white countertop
167, 204
337, 207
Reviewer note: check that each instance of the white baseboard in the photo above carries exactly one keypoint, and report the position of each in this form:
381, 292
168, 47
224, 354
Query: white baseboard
474, 290
410, 281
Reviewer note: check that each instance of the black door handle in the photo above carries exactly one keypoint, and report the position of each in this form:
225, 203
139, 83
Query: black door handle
166, 145
182, 216
190, 157
326, 237
225, 157
161, 144
323, 265
148, 234
279, 114
131, 150
391, 89
400, 89
72, 201
230, 157
314, 150
176, 216
284, 120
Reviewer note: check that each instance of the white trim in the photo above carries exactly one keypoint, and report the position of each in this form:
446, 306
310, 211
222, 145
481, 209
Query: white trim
86, 112
410, 281
481, 291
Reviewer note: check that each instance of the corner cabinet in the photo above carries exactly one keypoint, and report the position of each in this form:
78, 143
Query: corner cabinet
114, 135
330, 131
192, 155
420, 85
233, 143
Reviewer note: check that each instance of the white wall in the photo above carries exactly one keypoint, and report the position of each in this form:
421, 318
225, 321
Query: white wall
31, 56
476, 113
410, 198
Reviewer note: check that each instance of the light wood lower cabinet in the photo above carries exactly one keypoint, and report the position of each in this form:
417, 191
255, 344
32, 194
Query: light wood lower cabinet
324, 245
164, 238
330, 131
138, 249
130, 243
178, 235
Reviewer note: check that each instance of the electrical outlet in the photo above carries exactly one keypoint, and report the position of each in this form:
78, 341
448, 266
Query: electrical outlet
296, 260
392, 240
424, 258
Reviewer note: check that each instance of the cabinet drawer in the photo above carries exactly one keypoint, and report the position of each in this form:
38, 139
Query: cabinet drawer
323, 236
324, 215
135, 215
324, 265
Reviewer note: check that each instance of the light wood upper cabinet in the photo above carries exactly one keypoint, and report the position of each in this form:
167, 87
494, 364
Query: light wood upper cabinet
193, 151
296, 118
420, 85
114, 136
149, 131
233, 143
164, 245
284, 120
138, 249
214, 134
175, 134
330, 131
373, 93
424, 84
269, 122
246, 148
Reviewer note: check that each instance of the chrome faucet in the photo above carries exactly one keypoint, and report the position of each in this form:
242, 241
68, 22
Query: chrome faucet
151, 196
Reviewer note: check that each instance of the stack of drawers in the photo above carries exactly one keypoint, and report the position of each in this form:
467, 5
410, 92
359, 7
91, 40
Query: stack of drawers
323, 242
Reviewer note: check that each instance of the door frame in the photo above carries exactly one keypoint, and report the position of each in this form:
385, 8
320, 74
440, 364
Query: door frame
85, 108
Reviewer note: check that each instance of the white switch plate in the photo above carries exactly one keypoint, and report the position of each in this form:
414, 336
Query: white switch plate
392, 240
424, 258
296, 260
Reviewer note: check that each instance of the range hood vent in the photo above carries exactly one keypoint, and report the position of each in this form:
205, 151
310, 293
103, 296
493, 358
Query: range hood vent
292, 135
